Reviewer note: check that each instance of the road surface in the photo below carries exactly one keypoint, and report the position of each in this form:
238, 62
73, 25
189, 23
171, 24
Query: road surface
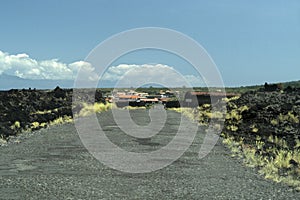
53, 164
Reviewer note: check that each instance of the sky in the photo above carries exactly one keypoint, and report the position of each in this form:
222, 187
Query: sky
251, 42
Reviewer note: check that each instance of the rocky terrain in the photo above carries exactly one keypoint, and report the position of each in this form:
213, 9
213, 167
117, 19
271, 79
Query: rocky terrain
263, 128
32, 109
268, 114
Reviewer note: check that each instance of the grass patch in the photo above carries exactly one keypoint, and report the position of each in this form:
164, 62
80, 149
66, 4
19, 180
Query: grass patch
88, 109
134, 107
61, 120
188, 112
16, 125
270, 154
2, 140
280, 167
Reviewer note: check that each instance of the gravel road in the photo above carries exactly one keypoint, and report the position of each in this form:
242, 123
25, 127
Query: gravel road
53, 164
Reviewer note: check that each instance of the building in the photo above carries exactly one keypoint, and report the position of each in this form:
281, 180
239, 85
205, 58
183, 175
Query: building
194, 99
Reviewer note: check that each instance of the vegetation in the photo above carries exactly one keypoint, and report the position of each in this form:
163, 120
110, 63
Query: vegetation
279, 167
2, 140
16, 125
35, 125
94, 108
271, 154
135, 107
188, 112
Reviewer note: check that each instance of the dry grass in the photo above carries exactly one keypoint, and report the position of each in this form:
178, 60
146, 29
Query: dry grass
88, 109
276, 167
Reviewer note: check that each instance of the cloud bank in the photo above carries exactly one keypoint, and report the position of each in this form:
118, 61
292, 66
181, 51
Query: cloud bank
21, 65
128, 75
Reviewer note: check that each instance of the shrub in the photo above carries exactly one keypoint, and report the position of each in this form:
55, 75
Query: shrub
62, 120
34, 125
88, 109
16, 125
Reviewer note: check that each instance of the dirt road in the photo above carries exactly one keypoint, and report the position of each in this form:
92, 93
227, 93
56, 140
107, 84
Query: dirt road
53, 164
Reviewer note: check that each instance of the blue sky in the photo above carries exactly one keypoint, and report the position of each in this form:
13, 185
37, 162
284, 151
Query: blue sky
250, 41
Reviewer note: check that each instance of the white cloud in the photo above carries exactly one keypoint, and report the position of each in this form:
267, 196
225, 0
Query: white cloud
23, 66
83, 71
137, 75
195, 80
128, 75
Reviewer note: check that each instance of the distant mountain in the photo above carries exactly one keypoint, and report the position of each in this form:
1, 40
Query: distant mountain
8, 82
4, 76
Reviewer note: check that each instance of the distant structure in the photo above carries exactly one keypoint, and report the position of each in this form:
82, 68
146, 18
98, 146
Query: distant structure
194, 99
133, 98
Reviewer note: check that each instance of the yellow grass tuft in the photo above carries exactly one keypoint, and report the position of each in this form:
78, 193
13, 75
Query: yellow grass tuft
88, 109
